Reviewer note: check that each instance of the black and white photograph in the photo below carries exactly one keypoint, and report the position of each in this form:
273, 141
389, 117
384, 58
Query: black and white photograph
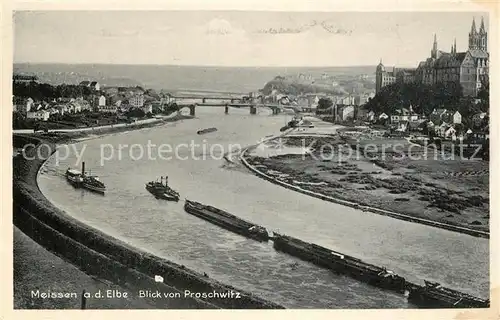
237, 159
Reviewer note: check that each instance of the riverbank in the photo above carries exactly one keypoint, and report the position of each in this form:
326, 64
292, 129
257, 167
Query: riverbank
101, 255
404, 193
78, 135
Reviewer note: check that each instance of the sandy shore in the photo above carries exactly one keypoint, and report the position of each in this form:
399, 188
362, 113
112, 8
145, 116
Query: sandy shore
418, 191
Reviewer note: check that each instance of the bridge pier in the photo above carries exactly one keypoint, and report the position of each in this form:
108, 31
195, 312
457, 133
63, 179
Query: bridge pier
253, 110
192, 111
203, 100
226, 109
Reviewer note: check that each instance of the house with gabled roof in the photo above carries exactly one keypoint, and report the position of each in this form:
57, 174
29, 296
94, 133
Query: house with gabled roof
94, 85
437, 115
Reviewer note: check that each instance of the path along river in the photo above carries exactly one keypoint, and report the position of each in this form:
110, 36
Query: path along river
130, 213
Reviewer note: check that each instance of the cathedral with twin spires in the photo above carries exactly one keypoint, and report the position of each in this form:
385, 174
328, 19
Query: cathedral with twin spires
467, 68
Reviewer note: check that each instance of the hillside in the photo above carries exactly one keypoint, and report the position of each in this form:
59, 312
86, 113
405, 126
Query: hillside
338, 85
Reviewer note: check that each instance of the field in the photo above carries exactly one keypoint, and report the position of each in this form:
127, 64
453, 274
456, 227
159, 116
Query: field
391, 174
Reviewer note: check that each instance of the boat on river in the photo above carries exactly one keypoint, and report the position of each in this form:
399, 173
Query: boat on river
339, 263
92, 183
226, 220
161, 190
85, 180
208, 130
74, 177
433, 295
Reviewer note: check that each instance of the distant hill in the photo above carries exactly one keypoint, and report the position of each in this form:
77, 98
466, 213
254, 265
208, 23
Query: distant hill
59, 74
335, 83
179, 78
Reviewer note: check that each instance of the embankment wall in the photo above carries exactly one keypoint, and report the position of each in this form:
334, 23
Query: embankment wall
472, 232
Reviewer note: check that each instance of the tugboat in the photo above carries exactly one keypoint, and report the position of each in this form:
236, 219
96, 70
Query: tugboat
433, 295
92, 182
162, 191
74, 177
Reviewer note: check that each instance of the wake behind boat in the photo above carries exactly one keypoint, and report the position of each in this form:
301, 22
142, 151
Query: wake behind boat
162, 191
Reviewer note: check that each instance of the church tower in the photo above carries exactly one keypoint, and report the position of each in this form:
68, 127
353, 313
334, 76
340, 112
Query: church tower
379, 76
473, 36
482, 37
434, 53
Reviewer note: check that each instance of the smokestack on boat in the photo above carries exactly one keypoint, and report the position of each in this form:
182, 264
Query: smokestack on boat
83, 167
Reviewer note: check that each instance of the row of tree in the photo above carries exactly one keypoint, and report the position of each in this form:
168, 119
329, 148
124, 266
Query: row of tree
45, 91
425, 98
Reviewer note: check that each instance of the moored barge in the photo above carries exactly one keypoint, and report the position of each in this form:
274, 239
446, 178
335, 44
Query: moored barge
226, 220
208, 130
339, 263
433, 295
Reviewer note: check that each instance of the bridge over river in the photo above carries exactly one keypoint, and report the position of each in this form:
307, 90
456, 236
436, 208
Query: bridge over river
235, 101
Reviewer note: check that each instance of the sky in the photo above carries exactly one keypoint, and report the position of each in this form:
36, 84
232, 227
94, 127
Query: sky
237, 38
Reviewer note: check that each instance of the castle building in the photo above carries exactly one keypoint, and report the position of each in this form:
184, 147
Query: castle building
383, 77
467, 68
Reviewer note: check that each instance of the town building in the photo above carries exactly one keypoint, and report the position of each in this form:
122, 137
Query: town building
137, 100
24, 105
147, 108
468, 68
102, 101
62, 109
22, 78
453, 117
443, 115
383, 77
478, 118
345, 112
108, 109
42, 115
437, 116
94, 85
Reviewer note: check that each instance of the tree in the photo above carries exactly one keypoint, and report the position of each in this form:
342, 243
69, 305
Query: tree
135, 113
324, 104
484, 94
423, 98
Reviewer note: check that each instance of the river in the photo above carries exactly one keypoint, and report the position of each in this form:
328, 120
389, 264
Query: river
130, 213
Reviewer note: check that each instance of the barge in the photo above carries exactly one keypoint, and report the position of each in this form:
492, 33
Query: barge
208, 130
340, 263
433, 295
226, 220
